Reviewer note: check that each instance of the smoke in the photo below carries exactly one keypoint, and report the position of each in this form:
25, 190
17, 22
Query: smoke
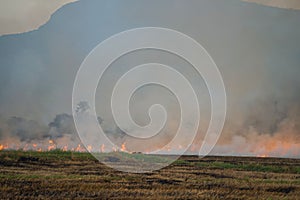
18, 132
62, 124
255, 47
269, 128
22, 129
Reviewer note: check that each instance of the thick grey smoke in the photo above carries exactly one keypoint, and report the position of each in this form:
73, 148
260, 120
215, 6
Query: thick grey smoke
21, 133
18, 132
256, 48
22, 130
62, 124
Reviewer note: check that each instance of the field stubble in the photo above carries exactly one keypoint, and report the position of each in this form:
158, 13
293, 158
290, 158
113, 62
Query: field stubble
70, 175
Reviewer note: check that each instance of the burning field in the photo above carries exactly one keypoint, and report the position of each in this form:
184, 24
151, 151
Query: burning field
120, 99
50, 162
74, 175
278, 138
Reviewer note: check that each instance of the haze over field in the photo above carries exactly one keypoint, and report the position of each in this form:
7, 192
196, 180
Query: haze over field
256, 48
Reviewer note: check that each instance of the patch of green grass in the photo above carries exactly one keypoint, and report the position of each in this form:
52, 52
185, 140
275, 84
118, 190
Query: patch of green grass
123, 156
249, 167
59, 155
224, 165
297, 170
20, 155
146, 157
63, 156
262, 168
182, 162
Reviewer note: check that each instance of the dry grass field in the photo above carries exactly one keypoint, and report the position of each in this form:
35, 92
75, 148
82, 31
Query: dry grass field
70, 175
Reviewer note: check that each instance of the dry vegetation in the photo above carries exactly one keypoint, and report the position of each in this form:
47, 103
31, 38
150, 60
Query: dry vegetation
66, 175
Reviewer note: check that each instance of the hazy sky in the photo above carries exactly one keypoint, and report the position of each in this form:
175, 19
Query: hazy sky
26, 15
22, 16
288, 4
256, 48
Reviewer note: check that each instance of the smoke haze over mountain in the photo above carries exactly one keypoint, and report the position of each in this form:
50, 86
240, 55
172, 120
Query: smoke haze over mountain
255, 47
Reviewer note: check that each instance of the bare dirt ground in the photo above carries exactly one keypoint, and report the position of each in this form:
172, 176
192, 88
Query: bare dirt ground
68, 175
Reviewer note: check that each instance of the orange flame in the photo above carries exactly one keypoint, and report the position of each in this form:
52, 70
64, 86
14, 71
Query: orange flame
51, 146
123, 147
79, 148
262, 156
266, 147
